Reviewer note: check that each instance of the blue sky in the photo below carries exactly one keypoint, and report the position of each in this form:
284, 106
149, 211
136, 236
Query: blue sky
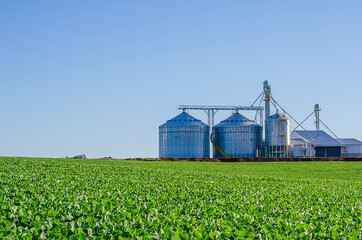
99, 77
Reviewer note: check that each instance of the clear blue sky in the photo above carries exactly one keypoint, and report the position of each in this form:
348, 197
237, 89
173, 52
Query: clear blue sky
99, 77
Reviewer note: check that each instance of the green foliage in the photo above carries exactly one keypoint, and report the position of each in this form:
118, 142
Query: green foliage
111, 199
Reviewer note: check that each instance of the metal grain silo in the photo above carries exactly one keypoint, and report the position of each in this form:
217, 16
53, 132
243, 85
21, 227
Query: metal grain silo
184, 137
278, 136
237, 136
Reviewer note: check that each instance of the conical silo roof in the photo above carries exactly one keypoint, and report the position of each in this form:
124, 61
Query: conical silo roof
236, 120
277, 116
184, 119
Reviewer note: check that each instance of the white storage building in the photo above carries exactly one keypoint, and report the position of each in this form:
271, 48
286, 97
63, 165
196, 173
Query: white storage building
312, 143
351, 147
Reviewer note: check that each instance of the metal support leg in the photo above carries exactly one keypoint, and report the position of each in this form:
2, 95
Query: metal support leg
212, 124
210, 120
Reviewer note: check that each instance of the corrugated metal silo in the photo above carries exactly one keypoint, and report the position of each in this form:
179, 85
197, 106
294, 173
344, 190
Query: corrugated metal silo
237, 136
184, 137
278, 137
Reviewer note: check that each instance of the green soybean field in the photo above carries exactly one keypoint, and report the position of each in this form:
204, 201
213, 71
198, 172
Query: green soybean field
118, 199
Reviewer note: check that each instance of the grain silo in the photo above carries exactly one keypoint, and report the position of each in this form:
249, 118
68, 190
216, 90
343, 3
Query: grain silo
278, 135
237, 136
184, 137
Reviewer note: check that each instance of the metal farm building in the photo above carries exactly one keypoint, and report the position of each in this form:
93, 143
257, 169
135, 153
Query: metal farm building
184, 137
315, 144
352, 147
237, 136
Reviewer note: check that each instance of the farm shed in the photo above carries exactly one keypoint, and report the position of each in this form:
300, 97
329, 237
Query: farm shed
312, 143
351, 147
